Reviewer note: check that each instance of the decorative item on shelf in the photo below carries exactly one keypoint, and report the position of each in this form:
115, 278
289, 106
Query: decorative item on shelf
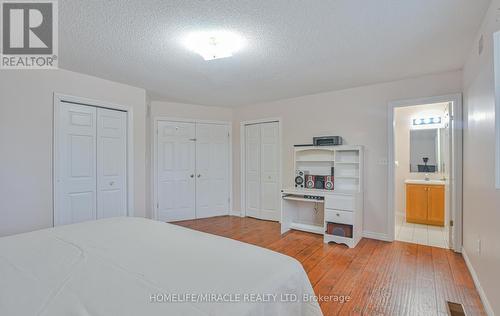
319, 182
329, 183
327, 140
300, 179
310, 180
313, 181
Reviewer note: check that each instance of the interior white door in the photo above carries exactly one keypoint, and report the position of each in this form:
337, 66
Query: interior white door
111, 163
451, 189
76, 168
212, 170
176, 171
252, 173
444, 154
269, 162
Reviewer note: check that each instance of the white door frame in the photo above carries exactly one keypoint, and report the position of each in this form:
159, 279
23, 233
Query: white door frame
456, 183
243, 212
59, 97
154, 160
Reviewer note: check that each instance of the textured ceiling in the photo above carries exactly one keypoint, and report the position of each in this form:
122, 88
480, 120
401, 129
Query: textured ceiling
295, 47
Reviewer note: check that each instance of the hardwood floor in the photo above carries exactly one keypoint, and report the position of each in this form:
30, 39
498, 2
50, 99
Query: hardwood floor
381, 278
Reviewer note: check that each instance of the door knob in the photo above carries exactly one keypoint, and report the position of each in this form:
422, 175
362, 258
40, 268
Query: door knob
192, 175
199, 175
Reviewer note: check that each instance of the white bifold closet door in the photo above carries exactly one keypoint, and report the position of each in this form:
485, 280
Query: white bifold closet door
212, 170
111, 163
77, 194
91, 163
192, 170
176, 171
262, 170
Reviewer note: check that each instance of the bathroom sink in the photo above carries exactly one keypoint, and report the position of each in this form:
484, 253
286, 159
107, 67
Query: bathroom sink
422, 181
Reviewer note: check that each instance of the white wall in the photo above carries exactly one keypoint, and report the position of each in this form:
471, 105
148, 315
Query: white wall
359, 115
481, 199
26, 118
191, 111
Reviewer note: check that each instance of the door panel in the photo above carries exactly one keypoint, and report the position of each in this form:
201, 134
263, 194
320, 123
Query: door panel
436, 205
445, 143
455, 177
269, 171
212, 170
76, 183
252, 163
80, 155
111, 163
176, 171
416, 203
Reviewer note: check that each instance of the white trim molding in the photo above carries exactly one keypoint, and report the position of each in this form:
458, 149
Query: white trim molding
59, 97
378, 236
243, 158
496, 52
487, 306
235, 213
456, 169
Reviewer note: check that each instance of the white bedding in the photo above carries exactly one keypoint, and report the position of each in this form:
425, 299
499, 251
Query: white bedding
120, 266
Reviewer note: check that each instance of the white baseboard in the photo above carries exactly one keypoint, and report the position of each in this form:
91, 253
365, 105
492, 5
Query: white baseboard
235, 213
487, 307
378, 236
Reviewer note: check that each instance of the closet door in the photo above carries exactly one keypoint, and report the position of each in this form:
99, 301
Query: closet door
212, 170
176, 171
111, 163
253, 173
269, 161
76, 164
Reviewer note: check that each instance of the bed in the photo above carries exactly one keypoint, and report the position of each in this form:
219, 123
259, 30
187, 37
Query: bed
136, 266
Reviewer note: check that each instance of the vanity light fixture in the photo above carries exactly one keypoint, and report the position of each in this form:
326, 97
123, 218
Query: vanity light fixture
214, 44
427, 121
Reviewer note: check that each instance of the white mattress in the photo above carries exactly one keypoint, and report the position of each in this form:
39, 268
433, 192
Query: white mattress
119, 266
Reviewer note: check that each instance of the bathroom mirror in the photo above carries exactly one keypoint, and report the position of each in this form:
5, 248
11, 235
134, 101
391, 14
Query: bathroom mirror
424, 150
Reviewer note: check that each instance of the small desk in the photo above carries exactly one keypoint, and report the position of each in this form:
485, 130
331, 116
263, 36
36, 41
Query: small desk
310, 210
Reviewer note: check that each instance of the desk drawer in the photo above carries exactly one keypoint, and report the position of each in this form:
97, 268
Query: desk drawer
340, 202
340, 217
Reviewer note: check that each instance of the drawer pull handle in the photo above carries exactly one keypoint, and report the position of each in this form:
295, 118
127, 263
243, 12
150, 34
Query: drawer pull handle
338, 214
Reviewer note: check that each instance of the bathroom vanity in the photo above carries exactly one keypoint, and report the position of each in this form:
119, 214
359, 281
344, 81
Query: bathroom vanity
425, 202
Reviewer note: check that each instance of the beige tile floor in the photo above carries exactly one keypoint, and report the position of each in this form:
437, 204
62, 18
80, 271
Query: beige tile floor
421, 234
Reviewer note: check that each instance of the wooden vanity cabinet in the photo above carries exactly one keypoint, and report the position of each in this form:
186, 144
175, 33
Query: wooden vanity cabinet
425, 204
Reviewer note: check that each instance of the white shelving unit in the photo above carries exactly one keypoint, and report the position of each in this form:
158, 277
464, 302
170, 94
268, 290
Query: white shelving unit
345, 160
343, 206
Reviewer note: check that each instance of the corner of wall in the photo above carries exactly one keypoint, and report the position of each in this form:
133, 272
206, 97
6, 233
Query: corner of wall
484, 299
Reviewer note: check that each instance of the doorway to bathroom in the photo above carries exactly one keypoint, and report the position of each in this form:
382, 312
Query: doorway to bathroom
425, 150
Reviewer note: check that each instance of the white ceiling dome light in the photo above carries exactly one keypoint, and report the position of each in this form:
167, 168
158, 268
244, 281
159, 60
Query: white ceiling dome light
214, 44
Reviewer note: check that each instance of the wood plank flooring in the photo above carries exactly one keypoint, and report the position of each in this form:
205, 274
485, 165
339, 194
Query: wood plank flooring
381, 278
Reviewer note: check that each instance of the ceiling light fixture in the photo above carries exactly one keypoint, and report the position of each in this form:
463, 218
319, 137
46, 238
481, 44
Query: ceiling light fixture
215, 44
